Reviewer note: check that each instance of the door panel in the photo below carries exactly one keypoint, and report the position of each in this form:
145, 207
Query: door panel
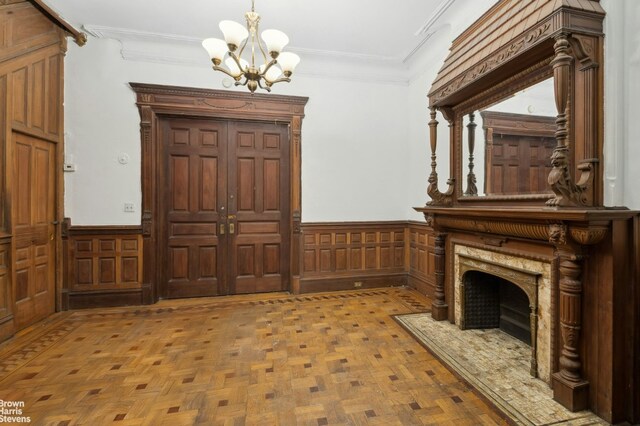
259, 207
195, 182
33, 214
231, 176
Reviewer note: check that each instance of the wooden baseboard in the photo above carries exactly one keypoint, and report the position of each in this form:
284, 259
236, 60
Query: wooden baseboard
332, 283
7, 329
106, 299
421, 284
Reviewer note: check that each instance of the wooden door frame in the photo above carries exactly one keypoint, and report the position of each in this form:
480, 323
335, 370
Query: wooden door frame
156, 102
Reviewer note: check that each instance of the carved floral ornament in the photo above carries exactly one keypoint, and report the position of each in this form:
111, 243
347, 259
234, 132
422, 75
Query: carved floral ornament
493, 61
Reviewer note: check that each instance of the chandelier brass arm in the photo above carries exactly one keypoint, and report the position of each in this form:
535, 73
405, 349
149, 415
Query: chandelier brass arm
277, 67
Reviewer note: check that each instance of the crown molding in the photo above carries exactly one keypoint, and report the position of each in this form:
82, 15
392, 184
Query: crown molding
435, 17
126, 34
183, 50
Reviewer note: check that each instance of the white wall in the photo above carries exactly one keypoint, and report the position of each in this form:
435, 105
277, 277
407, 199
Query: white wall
425, 69
622, 102
354, 138
365, 145
419, 166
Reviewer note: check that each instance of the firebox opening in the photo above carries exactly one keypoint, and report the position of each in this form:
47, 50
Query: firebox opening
493, 302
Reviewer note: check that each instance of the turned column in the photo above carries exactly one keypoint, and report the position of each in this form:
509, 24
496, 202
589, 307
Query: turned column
439, 307
471, 177
437, 198
569, 387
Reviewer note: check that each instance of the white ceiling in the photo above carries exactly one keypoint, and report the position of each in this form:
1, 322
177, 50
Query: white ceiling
379, 33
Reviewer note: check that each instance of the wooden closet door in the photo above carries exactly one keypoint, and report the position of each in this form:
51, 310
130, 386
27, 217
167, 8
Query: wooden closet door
259, 191
33, 216
195, 194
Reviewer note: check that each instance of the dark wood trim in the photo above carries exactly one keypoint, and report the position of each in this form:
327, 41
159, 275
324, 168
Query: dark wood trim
79, 37
318, 285
105, 230
156, 102
104, 299
518, 124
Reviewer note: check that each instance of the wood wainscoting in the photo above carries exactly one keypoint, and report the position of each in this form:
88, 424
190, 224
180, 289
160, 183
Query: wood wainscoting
421, 258
347, 255
6, 299
103, 266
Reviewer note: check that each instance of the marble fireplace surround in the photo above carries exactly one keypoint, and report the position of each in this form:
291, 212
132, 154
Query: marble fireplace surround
532, 276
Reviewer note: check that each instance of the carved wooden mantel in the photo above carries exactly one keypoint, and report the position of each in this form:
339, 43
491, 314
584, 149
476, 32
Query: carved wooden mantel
571, 232
515, 45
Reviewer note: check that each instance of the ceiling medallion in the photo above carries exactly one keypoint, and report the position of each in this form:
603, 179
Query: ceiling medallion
276, 68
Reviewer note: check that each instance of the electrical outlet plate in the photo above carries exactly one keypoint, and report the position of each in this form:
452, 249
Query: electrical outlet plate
129, 208
357, 284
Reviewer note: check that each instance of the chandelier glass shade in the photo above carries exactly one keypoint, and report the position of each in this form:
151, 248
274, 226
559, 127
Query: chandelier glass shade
276, 66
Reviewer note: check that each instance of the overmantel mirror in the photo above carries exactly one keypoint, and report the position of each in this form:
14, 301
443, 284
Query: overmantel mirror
525, 115
507, 145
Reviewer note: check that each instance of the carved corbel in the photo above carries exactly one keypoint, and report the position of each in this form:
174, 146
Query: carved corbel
588, 235
567, 193
557, 234
147, 223
585, 50
437, 198
429, 221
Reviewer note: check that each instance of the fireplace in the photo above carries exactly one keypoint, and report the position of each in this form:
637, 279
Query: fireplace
495, 290
493, 302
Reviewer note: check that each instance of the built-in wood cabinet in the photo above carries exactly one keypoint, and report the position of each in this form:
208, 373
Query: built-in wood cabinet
32, 47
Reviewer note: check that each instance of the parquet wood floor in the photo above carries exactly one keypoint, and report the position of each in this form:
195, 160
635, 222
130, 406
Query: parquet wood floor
331, 358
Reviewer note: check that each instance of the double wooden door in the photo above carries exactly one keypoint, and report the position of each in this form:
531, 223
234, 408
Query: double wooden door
33, 224
225, 197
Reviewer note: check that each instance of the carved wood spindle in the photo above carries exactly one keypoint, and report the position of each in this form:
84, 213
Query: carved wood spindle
433, 140
437, 198
439, 307
471, 177
570, 389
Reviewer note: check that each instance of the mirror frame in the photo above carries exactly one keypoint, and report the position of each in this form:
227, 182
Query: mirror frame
563, 42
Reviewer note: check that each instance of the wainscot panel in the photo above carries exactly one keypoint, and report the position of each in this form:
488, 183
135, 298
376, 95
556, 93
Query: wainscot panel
103, 266
421, 258
347, 255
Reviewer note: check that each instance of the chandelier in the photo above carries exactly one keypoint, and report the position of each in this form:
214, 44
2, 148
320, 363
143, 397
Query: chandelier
276, 68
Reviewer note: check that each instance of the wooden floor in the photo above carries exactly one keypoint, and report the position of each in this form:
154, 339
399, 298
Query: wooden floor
333, 358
